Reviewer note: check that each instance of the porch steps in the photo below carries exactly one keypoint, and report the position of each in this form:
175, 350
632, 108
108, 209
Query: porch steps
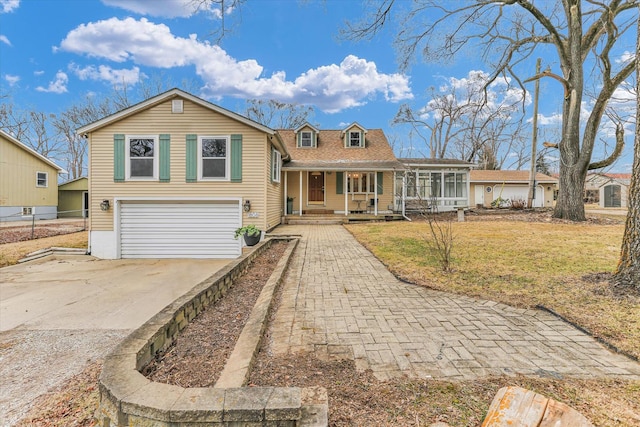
316, 219
338, 219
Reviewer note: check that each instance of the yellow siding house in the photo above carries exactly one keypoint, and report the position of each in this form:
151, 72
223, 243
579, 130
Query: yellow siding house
174, 176
28, 182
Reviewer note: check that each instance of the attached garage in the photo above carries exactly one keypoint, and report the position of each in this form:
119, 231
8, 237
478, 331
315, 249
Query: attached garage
170, 229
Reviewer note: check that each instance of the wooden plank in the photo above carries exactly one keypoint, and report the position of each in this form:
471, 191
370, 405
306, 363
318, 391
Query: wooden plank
559, 414
515, 406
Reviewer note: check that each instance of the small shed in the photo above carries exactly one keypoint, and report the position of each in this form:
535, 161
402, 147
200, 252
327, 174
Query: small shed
609, 190
73, 198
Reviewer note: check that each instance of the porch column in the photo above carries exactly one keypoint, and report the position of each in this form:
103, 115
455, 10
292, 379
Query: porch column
346, 193
300, 195
286, 191
468, 177
375, 193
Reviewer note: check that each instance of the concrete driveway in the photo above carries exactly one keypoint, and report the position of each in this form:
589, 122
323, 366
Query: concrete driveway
59, 314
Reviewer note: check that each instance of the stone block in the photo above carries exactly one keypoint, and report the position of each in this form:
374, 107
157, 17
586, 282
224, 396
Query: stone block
153, 402
246, 404
199, 405
119, 378
284, 404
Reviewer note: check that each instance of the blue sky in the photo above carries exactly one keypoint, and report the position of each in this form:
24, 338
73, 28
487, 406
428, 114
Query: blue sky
55, 52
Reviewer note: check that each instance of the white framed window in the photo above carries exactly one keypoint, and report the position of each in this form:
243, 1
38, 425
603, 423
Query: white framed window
276, 162
213, 158
360, 183
27, 211
42, 179
141, 153
306, 139
355, 139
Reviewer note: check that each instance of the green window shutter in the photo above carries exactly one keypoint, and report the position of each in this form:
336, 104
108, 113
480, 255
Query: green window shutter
165, 158
192, 158
380, 175
236, 158
339, 182
362, 143
299, 137
118, 157
314, 139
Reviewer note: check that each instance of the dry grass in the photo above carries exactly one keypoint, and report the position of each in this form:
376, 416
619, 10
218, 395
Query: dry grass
10, 253
72, 404
556, 265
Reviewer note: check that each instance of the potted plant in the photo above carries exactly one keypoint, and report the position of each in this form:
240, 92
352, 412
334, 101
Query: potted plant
251, 234
289, 205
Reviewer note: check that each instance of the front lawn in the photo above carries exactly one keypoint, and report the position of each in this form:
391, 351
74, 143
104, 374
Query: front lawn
562, 266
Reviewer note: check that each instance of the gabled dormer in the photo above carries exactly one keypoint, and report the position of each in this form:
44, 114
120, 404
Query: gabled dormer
354, 136
306, 136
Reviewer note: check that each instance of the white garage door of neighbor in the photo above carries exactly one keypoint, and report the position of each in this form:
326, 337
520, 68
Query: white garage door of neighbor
179, 230
519, 192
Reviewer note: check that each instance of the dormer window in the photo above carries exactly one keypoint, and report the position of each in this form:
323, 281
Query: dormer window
306, 139
355, 139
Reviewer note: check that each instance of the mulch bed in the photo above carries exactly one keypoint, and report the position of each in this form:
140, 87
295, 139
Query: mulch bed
199, 354
24, 233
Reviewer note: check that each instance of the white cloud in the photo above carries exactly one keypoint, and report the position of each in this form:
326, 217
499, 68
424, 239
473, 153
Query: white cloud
59, 85
105, 73
38, 73
163, 8
554, 119
331, 87
4, 40
7, 6
12, 80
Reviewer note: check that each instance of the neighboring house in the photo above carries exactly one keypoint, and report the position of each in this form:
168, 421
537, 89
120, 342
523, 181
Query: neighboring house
28, 182
489, 185
439, 184
609, 190
73, 198
347, 172
174, 176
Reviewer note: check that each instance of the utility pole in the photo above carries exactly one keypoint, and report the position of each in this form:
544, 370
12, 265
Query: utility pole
534, 141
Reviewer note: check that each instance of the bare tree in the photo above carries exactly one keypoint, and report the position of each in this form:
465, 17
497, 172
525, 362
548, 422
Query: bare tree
278, 115
33, 128
77, 115
222, 9
510, 33
465, 120
628, 271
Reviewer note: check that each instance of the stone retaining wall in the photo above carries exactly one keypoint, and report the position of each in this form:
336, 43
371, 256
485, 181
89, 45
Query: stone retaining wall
127, 398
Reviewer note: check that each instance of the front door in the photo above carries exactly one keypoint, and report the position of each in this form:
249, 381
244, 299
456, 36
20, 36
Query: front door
316, 187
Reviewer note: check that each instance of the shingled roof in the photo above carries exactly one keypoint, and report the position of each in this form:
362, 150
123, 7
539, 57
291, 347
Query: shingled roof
331, 153
507, 176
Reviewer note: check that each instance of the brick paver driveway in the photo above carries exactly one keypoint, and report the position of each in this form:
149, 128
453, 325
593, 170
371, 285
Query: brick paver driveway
339, 300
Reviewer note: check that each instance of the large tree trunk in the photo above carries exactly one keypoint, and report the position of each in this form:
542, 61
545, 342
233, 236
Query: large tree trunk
628, 271
573, 167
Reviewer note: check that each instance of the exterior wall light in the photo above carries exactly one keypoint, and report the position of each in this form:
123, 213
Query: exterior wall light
105, 205
247, 206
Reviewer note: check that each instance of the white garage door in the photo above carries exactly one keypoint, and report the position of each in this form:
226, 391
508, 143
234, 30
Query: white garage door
519, 192
179, 230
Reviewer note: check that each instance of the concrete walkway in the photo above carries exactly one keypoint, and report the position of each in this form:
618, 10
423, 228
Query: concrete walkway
340, 301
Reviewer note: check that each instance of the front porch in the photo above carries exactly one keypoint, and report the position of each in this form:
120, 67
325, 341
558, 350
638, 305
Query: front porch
316, 217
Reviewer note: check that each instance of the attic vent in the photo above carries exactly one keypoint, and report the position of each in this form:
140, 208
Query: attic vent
177, 106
